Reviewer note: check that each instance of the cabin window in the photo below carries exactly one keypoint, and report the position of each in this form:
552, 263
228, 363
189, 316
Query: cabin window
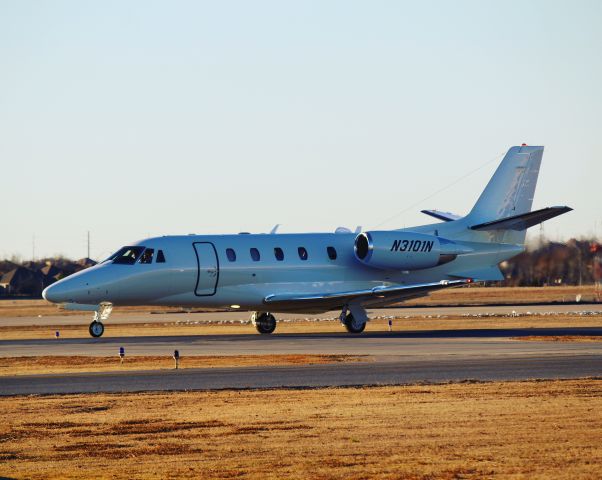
302, 253
255, 254
279, 254
127, 255
147, 256
231, 254
332, 253
160, 257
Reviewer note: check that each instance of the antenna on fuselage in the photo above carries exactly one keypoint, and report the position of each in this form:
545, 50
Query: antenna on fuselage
274, 229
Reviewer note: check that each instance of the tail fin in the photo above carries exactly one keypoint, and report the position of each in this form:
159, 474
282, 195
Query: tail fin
510, 191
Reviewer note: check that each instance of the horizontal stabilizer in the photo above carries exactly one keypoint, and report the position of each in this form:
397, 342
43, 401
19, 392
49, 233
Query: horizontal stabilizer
523, 221
445, 216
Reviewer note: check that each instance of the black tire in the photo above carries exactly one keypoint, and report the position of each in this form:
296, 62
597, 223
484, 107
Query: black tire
351, 326
265, 323
96, 329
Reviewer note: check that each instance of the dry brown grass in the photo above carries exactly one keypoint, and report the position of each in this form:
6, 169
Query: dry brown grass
456, 296
415, 323
74, 364
550, 429
561, 338
506, 295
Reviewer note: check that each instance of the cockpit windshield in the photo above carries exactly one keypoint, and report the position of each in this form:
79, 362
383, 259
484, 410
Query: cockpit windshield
127, 255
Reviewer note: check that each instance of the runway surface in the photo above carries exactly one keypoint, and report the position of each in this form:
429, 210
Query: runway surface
380, 373
420, 344
396, 358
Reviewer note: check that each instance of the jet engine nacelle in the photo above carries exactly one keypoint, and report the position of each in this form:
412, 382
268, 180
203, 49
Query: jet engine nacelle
398, 250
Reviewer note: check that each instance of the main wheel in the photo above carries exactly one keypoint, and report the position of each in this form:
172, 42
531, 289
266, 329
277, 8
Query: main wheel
352, 325
96, 329
265, 323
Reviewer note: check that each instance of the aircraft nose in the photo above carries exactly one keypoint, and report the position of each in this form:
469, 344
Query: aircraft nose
59, 292
51, 294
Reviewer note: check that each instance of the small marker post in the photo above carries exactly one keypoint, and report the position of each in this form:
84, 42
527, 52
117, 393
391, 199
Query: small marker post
121, 354
57, 334
176, 357
390, 325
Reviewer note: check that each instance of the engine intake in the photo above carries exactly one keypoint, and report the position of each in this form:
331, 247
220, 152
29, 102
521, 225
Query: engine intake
405, 250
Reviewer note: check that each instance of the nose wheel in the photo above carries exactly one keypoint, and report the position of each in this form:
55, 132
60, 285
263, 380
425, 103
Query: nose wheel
96, 329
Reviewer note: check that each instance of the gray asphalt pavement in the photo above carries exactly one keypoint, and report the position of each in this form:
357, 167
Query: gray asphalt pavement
419, 344
396, 358
350, 374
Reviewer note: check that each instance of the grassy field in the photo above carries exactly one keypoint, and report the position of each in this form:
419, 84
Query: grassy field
544, 429
75, 364
473, 295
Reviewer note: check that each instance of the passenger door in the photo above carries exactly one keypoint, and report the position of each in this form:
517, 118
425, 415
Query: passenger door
208, 269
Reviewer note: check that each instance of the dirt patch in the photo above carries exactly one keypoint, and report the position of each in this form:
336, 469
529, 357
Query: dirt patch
560, 338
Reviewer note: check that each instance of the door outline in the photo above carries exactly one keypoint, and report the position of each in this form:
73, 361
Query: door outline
198, 269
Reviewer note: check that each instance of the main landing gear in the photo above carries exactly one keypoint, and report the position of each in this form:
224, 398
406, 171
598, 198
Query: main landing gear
264, 322
97, 328
354, 320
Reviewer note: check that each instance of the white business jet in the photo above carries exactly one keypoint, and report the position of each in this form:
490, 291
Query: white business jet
318, 272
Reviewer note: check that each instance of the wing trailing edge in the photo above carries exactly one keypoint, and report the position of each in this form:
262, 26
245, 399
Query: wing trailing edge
382, 292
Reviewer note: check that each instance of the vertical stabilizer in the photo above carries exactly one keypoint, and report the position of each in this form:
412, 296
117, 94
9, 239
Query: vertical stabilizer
510, 191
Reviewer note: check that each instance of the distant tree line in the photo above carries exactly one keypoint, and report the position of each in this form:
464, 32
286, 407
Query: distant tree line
576, 262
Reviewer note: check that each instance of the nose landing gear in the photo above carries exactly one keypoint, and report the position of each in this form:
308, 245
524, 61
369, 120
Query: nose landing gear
97, 328
264, 322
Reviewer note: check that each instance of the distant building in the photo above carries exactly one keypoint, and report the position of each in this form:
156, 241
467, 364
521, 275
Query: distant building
86, 262
51, 274
22, 281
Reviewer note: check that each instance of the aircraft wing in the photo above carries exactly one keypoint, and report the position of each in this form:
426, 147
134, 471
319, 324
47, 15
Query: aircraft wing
324, 301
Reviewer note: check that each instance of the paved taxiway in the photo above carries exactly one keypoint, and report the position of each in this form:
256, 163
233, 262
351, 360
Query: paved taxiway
395, 358
417, 344
349, 374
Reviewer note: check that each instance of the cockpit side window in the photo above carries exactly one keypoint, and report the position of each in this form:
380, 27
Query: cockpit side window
160, 257
147, 256
127, 255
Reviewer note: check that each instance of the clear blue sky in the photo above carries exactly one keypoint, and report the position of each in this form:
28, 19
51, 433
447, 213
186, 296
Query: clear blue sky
131, 119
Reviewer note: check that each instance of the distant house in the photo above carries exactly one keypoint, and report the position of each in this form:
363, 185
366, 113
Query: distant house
6, 266
51, 274
86, 262
22, 281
